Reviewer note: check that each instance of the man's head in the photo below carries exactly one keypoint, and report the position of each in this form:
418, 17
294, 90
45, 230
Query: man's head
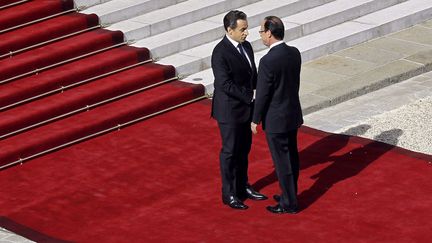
272, 30
235, 24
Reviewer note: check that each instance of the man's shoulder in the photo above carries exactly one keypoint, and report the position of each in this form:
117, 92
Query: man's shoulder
293, 49
285, 49
267, 60
220, 46
276, 53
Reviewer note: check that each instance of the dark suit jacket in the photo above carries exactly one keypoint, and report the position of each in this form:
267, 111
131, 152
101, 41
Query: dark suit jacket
277, 102
234, 82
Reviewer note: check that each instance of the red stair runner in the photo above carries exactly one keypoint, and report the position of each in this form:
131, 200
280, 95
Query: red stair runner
85, 95
8, 2
85, 85
45, 31
59, 51
32, 10
71, 73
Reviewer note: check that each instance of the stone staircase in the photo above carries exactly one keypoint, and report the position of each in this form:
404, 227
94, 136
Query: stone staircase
183, 33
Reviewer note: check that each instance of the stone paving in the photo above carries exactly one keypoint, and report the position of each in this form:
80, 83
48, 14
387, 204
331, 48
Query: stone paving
401, 112
366, 67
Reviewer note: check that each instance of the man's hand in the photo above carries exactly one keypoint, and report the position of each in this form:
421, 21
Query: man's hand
254, 128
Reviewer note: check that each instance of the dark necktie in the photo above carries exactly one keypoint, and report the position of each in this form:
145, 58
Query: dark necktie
240, 47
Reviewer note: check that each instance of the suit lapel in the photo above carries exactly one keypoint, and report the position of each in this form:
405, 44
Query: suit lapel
249, 52
237, 53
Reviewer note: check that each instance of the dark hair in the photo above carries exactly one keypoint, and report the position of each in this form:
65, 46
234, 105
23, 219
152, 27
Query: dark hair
275, 25
230, 19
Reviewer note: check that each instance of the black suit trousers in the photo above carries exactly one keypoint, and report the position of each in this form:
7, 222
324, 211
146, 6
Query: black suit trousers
236, 145
283, 148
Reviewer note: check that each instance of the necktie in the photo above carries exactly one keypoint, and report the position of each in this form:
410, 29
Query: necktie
240, 47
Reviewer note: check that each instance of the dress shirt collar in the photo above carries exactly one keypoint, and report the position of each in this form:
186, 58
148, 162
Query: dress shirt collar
235, 43
275, 44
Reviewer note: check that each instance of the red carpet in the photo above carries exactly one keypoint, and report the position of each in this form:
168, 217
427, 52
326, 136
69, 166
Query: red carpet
59, 51
95, 120
32, 10
158, 181
85, 84
71, 73
45, 31
84, 95
7, 2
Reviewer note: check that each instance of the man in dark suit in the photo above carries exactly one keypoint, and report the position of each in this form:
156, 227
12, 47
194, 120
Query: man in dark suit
277, 106
235, 79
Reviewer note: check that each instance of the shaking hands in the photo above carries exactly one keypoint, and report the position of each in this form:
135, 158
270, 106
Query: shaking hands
254, 128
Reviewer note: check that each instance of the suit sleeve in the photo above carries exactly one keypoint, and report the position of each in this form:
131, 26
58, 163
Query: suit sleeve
223, 81
263, 91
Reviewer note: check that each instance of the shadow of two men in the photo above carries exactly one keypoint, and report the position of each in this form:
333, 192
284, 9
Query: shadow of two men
341, 167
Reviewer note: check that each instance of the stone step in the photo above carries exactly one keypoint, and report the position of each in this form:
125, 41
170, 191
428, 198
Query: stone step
174, 16
362, 29
359, 70
211, 29
83, 4
306, 22
115, 11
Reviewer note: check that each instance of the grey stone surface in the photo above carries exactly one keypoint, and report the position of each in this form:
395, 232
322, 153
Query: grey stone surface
179, 41
323, 77
370, 54
428, 24
402, 109
117, 10
396, 45
418, 34
364, 68
313, 102
341, 65
9, 237
306, 22
413, 120
423, 57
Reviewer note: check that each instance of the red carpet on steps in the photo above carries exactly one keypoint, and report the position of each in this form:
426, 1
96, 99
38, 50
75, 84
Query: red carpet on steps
71, 73
45, 31
96, 120
35, 108
84, 95
20, 14
158, 181
7, 2
59, 51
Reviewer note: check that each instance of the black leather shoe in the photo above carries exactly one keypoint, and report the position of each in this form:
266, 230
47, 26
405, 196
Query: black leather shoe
279, 210
254, 195
235, 203
276, 198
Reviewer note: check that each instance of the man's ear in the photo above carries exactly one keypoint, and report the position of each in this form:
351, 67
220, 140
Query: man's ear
229, 30
269, 34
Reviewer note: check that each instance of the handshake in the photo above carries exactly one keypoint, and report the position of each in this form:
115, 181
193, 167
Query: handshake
254, 128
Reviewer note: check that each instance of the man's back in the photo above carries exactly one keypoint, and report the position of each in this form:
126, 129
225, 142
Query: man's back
281, 68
